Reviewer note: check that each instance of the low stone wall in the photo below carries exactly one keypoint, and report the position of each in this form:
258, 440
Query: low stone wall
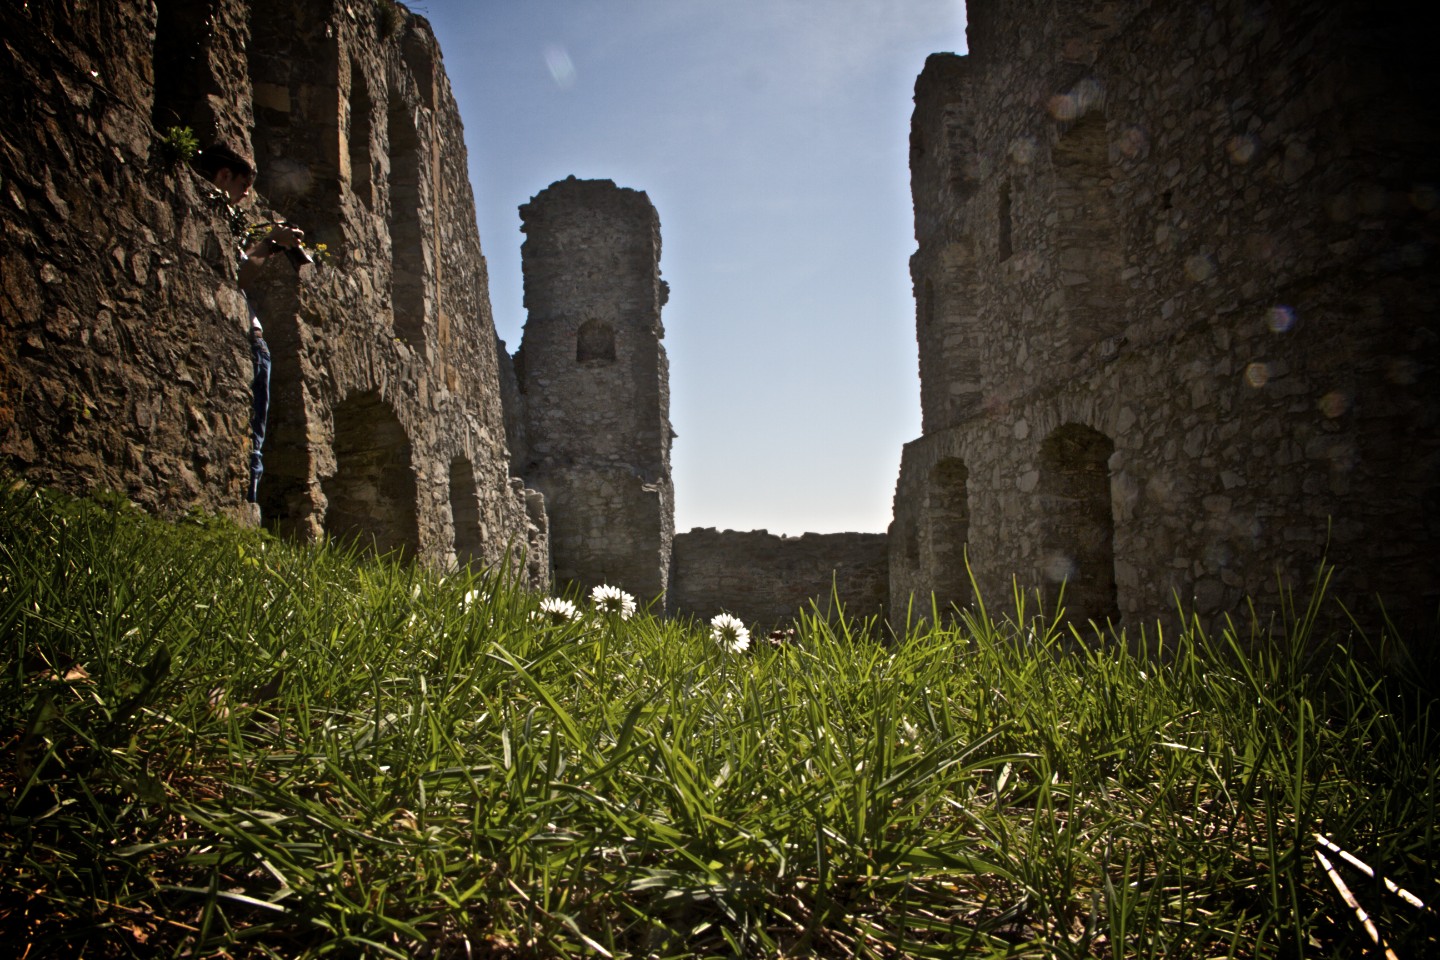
767, 579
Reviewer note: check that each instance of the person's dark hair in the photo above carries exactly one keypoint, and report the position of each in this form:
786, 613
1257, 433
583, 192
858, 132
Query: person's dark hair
221, 156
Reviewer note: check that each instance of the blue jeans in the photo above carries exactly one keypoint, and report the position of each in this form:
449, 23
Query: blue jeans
259, 413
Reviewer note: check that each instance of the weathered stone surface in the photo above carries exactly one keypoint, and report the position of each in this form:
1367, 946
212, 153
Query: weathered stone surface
126, 361
1176, 309
594, 385
767, 580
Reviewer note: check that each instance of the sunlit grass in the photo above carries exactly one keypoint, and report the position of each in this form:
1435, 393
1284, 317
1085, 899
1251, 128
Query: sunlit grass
216, 744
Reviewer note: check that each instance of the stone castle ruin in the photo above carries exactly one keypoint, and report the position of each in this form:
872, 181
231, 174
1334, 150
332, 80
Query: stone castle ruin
125, 352
594, 385
1175, 295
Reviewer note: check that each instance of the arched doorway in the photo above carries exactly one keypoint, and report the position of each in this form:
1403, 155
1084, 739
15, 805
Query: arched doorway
372, 494
1078, 522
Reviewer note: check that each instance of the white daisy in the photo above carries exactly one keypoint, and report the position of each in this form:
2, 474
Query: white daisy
608, 599
557, 612
730, 633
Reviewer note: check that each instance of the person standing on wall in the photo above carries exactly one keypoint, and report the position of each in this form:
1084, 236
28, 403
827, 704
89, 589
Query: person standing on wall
234, 175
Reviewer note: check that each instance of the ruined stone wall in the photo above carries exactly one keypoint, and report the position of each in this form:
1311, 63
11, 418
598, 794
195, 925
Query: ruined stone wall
767, 580
594, 384
123, 360
1176, 308
127, 363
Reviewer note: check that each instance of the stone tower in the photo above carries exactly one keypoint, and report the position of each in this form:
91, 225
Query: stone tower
594, 384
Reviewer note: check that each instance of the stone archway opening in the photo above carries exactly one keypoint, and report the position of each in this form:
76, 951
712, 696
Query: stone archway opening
287, 508
1078, 523
947, 526
407, 239
372, 496
297, 121
182, 74
359, 136
465, 513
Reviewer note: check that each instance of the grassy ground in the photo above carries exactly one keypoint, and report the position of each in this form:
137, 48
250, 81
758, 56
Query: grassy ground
216, 744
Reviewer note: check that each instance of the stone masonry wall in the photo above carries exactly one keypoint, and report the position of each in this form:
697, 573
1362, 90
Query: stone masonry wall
1176, 309
594, 384
123, 360
124, 337
766, 580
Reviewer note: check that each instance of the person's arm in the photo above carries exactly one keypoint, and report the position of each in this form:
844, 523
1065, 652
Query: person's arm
280, 237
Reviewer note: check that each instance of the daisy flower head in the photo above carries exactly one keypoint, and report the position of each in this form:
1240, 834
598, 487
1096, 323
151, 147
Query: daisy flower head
608, 599
730, 633
557, 612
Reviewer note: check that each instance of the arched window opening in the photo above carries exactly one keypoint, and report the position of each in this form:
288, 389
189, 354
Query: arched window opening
269, 57
182, 71
421, 61
595, 342
1091, 253
465, 512
362, 109
1078, 532
296, 104
372, 494
407, 241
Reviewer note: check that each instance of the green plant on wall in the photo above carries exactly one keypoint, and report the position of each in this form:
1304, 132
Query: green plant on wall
255, 232
179, 145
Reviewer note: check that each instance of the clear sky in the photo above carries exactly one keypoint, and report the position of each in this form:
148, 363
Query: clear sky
773, 138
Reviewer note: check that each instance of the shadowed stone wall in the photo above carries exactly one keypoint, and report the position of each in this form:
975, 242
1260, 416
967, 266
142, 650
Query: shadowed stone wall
767, 580
126, 361
1176, 297
593, 384
123, 358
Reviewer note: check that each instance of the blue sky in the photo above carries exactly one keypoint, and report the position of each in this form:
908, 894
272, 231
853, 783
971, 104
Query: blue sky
772, 137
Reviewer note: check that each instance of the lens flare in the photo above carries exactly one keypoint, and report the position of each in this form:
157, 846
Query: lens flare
1241, 148
1280, 319
1402, 371
1059, 568
1134, 143
1199, 267
562, 69
1334, 403
1257, 374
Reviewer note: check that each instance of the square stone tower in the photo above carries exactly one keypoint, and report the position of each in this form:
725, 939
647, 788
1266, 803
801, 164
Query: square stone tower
594, 384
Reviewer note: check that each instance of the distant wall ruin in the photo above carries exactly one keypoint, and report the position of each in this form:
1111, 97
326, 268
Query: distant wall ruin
1176, 298
768, 580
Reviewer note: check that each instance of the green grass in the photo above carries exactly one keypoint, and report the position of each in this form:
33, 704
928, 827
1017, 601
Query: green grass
217, 744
